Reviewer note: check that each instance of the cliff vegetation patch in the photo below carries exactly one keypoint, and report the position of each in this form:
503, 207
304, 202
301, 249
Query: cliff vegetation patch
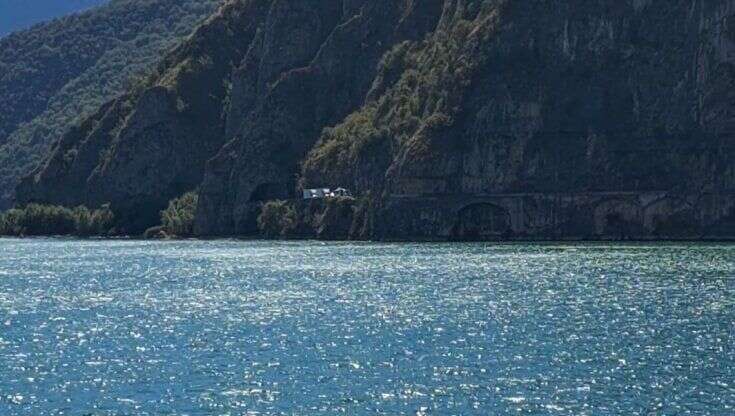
43, 220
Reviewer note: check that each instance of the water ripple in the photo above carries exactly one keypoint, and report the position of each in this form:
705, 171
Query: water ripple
272, 328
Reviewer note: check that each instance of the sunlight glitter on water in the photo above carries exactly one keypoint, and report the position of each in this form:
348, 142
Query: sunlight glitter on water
228, 327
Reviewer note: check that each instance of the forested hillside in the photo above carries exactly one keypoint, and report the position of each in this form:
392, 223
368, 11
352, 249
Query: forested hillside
449, 119
21, 14
55, 74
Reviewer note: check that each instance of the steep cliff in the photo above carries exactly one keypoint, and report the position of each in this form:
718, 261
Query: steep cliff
141, 150
450, 119
312, 64
573, 119
57, 73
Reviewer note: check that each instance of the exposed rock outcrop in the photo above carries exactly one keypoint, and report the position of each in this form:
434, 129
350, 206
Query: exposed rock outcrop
143, 149
451, 119
58, 72
289, 88
547, 216
569, 103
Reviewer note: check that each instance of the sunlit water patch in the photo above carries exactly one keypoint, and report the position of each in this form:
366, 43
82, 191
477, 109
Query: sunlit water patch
262, 328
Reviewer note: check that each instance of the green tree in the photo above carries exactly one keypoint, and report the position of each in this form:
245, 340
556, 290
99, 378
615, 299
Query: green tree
44, 220
178, 219
277, 218
93, 223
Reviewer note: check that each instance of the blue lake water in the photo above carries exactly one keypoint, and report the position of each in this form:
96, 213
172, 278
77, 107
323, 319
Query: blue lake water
308, 328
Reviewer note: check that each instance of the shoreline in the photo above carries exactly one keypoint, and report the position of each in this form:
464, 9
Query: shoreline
540, 241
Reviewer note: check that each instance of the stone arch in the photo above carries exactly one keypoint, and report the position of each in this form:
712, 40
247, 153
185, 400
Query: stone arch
617, 218
482, 221
670, 217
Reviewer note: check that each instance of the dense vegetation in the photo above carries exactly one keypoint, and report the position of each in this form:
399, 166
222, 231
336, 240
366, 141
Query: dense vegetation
418, 92
38, 220
20, 14
55, 74
174, 118
327, 218
178, 218
277, 219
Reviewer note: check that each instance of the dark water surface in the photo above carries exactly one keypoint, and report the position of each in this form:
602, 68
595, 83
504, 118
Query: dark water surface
263, 328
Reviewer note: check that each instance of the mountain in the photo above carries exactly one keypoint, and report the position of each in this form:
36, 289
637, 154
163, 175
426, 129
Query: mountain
449, 119
20, 14
56, 74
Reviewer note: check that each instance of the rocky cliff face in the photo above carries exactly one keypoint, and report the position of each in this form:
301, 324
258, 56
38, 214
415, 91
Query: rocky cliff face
574, 119
57, 73
149, 146
311, 65
495, 119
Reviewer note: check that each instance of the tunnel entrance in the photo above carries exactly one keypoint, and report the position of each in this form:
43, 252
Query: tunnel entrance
482, 222
268, 192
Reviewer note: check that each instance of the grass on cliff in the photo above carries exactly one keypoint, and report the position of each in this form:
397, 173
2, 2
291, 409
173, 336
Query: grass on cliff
46, 220
418, 92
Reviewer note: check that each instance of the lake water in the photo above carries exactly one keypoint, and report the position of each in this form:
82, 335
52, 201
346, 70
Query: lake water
308, 328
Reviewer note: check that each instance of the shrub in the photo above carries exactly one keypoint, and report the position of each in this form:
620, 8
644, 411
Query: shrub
7, 226
95, 222
36, 220
39, 220
277, 218
178, 219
